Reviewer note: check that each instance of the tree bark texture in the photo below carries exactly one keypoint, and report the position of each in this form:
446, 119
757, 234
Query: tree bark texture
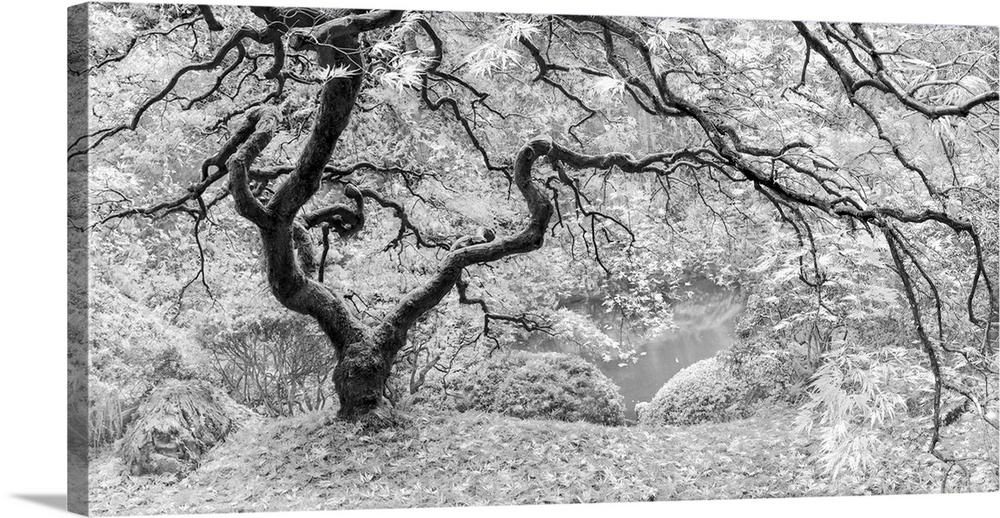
362, 368
365, 354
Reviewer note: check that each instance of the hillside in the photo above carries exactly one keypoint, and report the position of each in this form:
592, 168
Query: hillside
313, 462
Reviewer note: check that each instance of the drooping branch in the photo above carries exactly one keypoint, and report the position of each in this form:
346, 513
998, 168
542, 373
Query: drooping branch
200, 274
585, 210
728, 145
609, 28
241, 53
209, 177
892, 237
405, 225
884, 81
422, 299
796, 179
295, 17
544, 69
527, 322
135, 42
729, 153
851, 87
96, 138
436, 57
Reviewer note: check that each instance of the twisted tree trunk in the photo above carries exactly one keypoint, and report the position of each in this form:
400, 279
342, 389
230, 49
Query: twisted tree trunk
363, 365
365, 354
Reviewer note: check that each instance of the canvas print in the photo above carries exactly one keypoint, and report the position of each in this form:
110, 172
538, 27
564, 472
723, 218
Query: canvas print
326, 258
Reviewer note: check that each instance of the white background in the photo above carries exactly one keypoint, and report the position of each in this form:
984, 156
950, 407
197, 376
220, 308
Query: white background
33, 257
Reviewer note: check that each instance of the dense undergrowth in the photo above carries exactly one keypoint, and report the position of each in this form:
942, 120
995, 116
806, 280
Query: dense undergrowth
312, 462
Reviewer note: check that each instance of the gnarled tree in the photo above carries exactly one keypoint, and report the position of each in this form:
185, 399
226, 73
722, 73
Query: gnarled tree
883, 131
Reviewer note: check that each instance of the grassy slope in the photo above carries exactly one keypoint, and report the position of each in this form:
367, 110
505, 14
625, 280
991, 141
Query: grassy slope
313, 462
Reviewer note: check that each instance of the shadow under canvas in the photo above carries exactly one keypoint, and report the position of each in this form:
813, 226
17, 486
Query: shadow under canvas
53, 500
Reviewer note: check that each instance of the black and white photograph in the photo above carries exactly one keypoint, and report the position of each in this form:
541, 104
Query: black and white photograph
335, 258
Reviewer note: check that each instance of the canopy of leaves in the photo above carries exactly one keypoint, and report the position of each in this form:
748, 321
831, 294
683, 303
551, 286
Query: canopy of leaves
843, 176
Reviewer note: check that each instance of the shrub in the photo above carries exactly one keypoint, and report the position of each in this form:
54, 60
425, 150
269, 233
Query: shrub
177, 425
766, 368
271, 361
545, 385
853, 401
642, 411
703, 392
132, 349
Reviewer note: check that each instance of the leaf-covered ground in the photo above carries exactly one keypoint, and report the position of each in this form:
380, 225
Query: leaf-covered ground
312, 462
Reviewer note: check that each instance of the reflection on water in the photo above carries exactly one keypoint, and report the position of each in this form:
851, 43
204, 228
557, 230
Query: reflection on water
705, 325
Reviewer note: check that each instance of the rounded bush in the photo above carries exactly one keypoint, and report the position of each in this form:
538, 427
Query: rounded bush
701, 393
177, 424
545, 385
766, 368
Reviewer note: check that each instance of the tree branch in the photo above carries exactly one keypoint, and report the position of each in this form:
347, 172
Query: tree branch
422, 299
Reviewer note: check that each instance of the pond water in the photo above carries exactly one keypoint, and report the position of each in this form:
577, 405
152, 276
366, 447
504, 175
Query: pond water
705, 325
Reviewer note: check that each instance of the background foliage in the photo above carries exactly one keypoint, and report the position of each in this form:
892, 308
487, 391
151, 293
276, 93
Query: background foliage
827, 329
